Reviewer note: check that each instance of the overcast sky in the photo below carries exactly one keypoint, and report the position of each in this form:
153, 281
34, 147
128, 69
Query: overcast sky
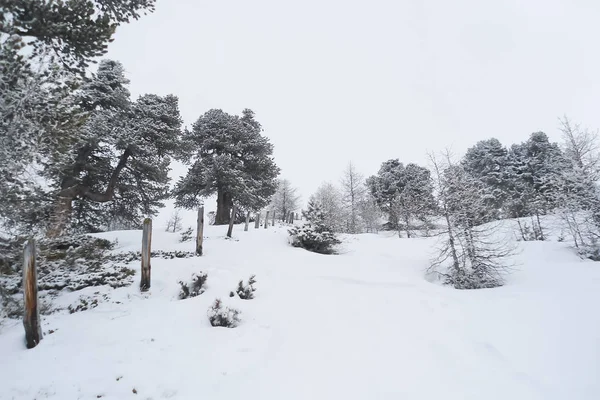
366, 81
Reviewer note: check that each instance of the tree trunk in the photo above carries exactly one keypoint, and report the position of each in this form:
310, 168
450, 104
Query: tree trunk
60, 216
231, 220
224, 205
267, 220
146, 250
247, 221
257, 221
31, 317
273, 222
200, 231
540, 226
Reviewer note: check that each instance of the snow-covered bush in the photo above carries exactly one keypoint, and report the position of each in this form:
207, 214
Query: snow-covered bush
218, 315
314, 234
246, 291
194, 288
186, 235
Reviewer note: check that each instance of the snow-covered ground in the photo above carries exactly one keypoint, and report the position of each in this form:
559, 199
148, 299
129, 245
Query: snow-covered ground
364, 324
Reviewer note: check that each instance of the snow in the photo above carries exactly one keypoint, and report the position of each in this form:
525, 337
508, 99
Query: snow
364, 324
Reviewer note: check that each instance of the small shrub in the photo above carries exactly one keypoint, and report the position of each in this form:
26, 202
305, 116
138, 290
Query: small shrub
186, 235
195, 287
246, 292
218, 315
471, 279
310, 239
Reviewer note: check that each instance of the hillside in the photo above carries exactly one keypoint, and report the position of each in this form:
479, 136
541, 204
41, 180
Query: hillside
364, 324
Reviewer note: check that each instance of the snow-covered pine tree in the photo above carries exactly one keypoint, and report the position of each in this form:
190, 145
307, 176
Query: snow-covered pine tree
120, 154
384, 188
534, 179
285, 199
45, 48
487, 161
405, 193
415, 201
231, 159
353, 194
71, 32
34, 114
314, 235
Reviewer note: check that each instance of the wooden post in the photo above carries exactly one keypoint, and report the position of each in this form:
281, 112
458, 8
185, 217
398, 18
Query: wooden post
247, 221
267, 220
257, 221
200, 231
231, 219
146, 249
31, 316
273, 223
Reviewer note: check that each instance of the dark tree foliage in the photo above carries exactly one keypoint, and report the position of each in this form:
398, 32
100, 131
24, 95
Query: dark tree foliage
119, 156
488, 162
533, 173
231, 159
71, 32
405, 193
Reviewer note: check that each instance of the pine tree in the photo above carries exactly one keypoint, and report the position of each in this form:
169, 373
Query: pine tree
120, 155
315, 234
233, 160
71, 32
534, 172
384, 188
405, 193
487, 161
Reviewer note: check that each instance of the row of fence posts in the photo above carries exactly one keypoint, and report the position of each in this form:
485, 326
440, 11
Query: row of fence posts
31, 316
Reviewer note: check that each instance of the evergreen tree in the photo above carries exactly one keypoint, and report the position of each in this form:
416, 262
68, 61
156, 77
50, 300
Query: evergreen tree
120, 155
534, 171
233, 160
45, 47
384, 188
71, 32
487, 161
405, 193
314, 235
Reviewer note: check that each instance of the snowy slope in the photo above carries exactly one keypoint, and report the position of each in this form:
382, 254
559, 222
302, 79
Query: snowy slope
361, 325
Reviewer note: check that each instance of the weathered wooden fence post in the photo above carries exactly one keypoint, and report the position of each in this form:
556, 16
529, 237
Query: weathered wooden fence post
231, 220
267, 220
146, 250
200, 231
247, 221
257, 221
31, 316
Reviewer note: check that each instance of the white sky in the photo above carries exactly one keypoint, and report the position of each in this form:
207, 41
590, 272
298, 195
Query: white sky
334, 81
